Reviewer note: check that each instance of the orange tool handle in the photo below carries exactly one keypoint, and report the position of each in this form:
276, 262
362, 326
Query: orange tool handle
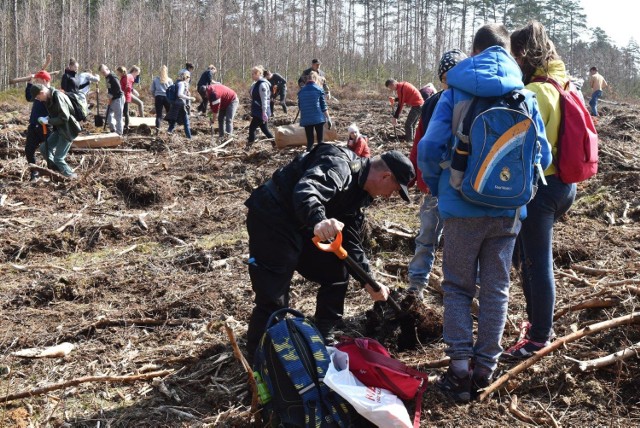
334, 247
44, 129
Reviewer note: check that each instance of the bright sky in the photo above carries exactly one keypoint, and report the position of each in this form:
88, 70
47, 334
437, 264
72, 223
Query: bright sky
618, 18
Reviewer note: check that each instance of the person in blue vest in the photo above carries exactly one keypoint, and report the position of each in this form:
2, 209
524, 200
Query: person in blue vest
260, 92
313, 109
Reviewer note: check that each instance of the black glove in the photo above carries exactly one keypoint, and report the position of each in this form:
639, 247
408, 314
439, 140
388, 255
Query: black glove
329, 123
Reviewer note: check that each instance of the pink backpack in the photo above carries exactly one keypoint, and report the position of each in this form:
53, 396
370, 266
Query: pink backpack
372, 364
577, 158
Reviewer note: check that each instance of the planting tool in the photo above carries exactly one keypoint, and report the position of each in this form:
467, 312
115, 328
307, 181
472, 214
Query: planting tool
395, 130
98, 120
360, 274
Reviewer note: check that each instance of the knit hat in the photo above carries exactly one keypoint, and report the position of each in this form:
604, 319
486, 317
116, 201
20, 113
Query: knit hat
36, 89
42, 75
449, 60
353, 128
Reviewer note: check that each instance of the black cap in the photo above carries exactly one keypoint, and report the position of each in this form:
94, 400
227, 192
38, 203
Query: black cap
315, 61
402, 170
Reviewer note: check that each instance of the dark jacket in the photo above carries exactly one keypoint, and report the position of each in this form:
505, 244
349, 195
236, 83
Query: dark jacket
256, 99
206, 78
113, 86
326, 182
303, 79
61, 115
312, 104
37, 110
70, 83
427, 111
277, 80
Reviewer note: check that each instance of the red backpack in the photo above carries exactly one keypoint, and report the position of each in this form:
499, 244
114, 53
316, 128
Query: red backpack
577, 147
372, 364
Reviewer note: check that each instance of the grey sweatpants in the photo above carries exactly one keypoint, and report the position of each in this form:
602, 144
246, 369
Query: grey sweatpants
410, 123
115, 118
486, 243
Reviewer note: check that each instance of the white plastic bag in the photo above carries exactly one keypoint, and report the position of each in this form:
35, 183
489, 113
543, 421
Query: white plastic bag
380, 406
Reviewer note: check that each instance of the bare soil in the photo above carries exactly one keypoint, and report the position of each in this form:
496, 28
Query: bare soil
152, 259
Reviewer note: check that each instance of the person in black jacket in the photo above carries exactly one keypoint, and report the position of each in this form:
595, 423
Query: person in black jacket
206, 79
319, 193
315, 66
278, 89
115, 117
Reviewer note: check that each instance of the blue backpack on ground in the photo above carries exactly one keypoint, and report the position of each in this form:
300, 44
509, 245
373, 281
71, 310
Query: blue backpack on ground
495, 162
292, 360
172, 92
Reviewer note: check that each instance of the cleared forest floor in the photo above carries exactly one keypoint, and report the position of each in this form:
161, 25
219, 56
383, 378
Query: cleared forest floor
137, 261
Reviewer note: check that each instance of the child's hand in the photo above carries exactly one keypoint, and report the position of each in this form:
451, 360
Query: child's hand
329, 123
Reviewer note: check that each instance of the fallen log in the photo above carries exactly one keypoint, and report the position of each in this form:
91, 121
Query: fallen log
136, 121
27, 78
111, 139
591, 329
73, 382
294, 135
596, 363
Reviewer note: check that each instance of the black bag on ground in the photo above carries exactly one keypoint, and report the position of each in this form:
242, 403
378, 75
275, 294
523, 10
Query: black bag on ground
292, 360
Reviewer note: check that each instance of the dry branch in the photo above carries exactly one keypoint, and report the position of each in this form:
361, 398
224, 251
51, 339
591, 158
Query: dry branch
631, 351
519, 414
587, 304
591, 329
592, 271
27, 78
247, 367
78, 381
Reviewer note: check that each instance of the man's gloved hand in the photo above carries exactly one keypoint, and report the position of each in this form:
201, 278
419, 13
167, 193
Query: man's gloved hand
44, 120
265, 118
383, 294
329, 123
328, 229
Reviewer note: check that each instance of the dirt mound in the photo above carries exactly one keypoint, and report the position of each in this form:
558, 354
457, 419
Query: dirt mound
142, 191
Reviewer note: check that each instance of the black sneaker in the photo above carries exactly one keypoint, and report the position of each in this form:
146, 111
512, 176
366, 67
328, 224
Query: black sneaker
479, 382
457, 388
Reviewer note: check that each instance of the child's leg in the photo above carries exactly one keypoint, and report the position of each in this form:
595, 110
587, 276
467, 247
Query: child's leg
495, 265
464, 238
320, 132
426, 242
308, 130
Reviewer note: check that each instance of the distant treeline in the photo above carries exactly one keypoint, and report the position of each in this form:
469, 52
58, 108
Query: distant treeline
363, 41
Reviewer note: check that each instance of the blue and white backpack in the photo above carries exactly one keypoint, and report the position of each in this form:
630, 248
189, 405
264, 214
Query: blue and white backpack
292, 360
497, 150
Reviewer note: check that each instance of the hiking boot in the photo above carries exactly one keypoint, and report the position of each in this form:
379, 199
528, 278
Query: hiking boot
418, 290
523, 349
72, 176
480, 379
248, 145
456, 388
327, 330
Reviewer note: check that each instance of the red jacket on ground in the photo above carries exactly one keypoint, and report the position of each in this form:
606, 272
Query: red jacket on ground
220, 97
407, 94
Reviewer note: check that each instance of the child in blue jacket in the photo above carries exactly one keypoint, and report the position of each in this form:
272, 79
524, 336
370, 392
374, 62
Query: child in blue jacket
313, 109
477, 236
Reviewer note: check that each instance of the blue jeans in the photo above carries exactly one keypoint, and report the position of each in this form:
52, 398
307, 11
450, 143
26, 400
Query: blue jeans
534, 253
431, 225
486, 242
182, 113
593, 102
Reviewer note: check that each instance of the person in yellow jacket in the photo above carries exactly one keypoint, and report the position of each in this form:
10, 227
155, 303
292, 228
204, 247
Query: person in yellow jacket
597, 84
536, 55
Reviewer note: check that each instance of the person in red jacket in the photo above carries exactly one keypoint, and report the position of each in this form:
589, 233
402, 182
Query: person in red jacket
406, 94
126, 84
224, 102
358, 142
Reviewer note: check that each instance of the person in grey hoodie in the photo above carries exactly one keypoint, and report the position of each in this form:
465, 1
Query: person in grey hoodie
159, 90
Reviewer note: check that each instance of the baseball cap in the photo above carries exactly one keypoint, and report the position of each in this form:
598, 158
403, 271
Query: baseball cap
36, 89
402, 170
315, 61
43, 75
